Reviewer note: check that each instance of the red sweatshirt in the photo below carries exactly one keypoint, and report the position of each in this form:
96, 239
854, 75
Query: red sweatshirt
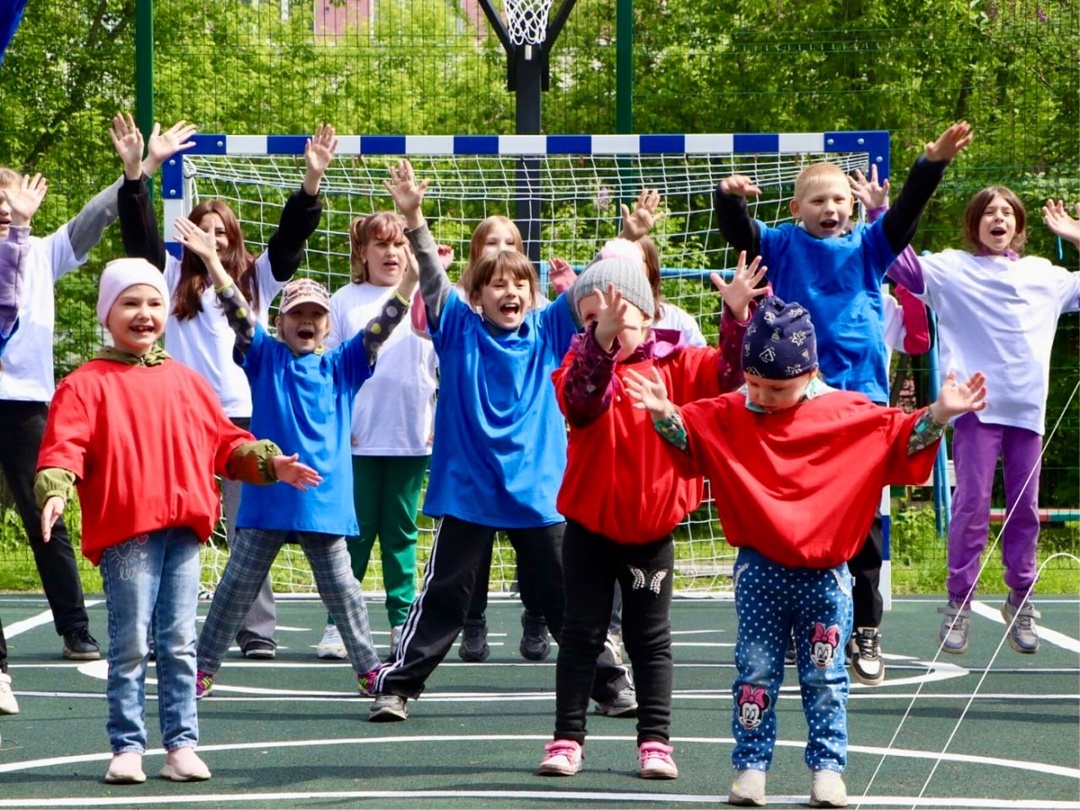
144, 444
800, 485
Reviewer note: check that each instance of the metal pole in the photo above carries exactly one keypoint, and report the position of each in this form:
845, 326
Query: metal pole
528, 65
144, 67
624, 66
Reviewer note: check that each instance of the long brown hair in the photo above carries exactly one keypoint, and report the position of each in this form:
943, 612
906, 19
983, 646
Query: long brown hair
238, 263
380, 225
977, 205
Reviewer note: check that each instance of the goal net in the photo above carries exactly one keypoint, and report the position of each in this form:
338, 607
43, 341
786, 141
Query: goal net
575, 184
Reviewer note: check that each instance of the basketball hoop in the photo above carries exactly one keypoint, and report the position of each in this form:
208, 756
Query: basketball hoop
527, 21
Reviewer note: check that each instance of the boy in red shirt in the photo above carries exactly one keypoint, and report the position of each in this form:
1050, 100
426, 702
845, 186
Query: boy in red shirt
141, 437
797, 470
622, 498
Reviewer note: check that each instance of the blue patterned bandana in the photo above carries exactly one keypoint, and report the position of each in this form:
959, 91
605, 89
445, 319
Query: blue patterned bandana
779, 342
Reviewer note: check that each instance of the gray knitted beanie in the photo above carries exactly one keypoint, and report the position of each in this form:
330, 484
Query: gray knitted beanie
625, 274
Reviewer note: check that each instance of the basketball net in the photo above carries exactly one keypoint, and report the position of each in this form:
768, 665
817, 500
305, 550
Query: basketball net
527, 21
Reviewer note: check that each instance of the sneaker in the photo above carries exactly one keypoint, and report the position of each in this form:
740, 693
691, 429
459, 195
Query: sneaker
790, 655
624, 704
331, 645
79, 645
184, 765
388, 709
614, 643
1023, 636
828, 790
953, 635
561, 758
867, 665
8, 704
474, 647
260, 649
534, 637
125, 769
204, 684
366, 683
748, 789
395, 641
656, 761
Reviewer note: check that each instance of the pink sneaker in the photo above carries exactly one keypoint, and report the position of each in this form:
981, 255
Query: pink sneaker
656, 761
365, 683
563, 758
204, 684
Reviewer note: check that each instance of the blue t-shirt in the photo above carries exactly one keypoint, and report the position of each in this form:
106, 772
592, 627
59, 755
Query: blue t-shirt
839, 280
304, 405
500, 439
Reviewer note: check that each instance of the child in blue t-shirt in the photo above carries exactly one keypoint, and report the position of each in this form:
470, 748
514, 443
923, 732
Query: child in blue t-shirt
499, 451
301, 395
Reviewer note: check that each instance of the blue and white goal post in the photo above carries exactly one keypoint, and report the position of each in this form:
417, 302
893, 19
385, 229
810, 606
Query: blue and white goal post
574, 185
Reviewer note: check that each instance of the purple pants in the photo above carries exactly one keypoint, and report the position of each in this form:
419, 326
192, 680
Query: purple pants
976, 448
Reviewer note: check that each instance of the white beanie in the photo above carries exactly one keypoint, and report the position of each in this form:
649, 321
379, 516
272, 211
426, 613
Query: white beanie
119, 274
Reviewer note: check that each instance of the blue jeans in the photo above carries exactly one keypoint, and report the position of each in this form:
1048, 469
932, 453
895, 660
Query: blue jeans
772, 600
153, 572
250, 557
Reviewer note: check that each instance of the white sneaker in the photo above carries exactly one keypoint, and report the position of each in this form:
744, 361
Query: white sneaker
331, 645
8, 704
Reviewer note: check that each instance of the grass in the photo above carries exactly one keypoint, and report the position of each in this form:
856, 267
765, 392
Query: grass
919, 558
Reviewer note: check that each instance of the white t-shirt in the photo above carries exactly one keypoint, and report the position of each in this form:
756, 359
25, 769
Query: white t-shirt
999, 317
673, 317
895, 331
28, 359
394, 411
205, 342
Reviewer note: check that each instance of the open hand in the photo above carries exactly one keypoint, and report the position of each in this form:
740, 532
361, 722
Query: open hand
649, 393
25, 200
560, 274
128, 142
289, 470
869, 192
738, 293
163, 145
320, 148
950, 143
202, 243
956, 398
640, 221
1060, 223
408, 195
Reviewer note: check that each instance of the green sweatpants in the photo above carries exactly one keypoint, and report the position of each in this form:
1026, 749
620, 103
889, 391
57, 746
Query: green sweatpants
386, 492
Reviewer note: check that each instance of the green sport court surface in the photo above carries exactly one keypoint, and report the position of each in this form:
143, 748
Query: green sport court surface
989, 729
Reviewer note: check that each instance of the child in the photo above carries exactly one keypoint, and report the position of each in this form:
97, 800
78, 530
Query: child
21, 203
303, 395
997, 310
499, 452
797, 470
392, 420
28, 382
141, 436
835, 268
619, 510
196, 332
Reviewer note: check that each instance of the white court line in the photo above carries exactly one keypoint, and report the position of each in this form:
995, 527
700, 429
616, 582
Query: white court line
1045, 633
45, 617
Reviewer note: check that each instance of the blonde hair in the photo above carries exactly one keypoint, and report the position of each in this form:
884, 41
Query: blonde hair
9, 177
380, 225
815, 173
486, 226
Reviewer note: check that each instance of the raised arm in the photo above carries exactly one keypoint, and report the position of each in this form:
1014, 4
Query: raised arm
640, 221
408, 196
735, 316
23, 203
300, 216
392, 313
732, 216
903, 218
1060, 223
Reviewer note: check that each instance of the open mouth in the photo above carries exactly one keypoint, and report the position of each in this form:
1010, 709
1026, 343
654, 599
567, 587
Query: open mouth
510, 310
143, 329
829, 224
305, 333
997, 230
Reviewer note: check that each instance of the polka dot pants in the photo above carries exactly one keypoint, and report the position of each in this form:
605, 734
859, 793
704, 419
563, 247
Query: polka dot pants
771, 601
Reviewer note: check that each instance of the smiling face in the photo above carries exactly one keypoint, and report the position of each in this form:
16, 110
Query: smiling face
304, 327
505, 299
776, 395
137, 319
823, 200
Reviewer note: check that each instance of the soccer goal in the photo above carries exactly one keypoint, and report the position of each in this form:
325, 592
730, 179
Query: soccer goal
576, 183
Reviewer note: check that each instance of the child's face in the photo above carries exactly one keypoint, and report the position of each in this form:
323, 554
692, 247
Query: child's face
137, 319
5, 211
304, 327
997, 226
505, 300
825, 206
211, 223
499, 238
633, 334
776, 395
385, 259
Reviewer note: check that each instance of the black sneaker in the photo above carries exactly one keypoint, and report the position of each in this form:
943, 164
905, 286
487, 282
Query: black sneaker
474, 647
534, 637
867, 665
260, 649
790, 656
79, 645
